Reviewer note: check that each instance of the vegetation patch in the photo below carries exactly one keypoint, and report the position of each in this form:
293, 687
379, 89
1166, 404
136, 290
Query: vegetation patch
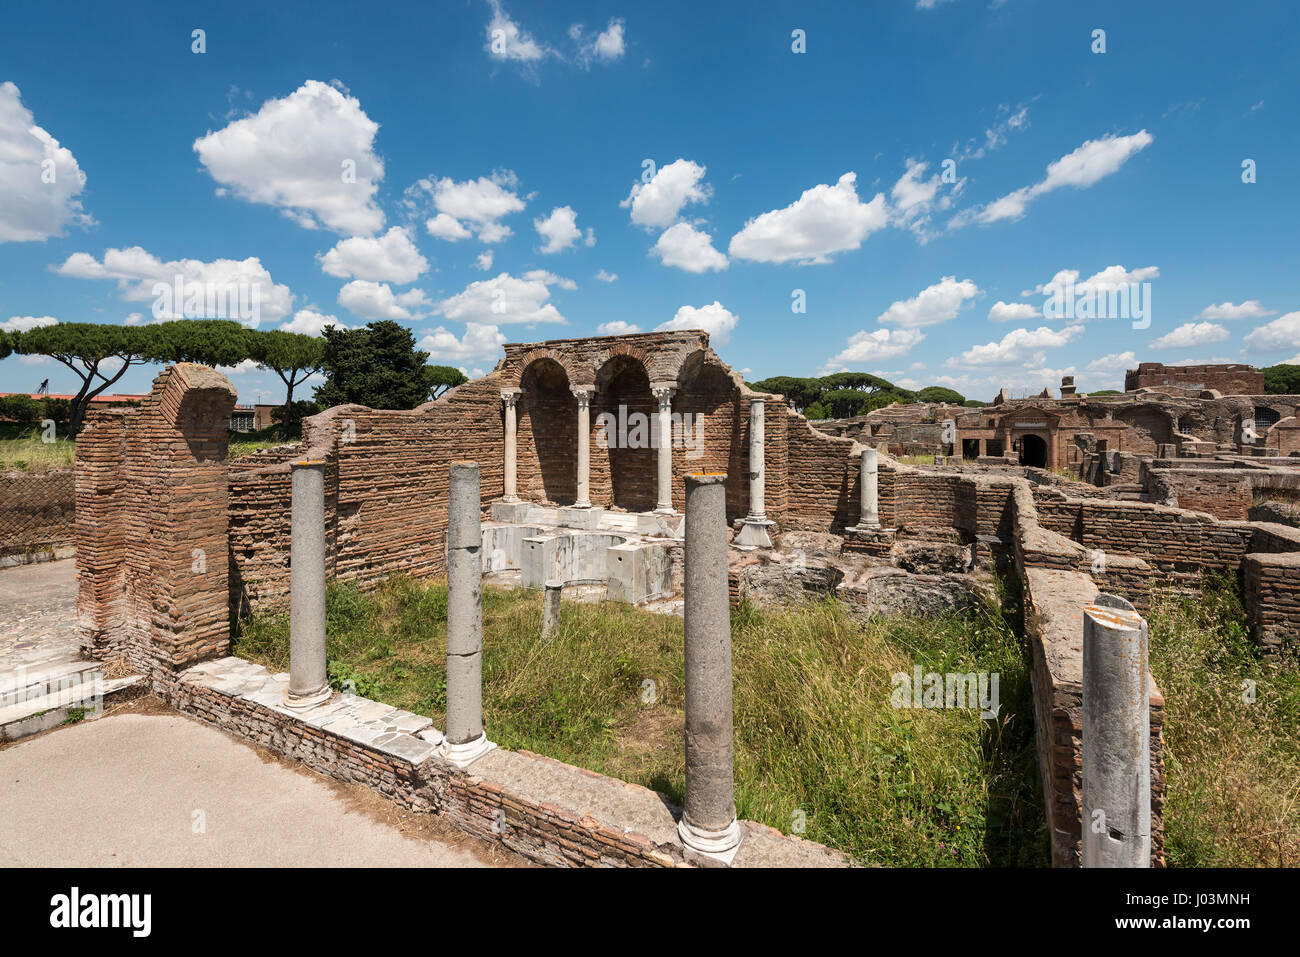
1232, 735
820, 750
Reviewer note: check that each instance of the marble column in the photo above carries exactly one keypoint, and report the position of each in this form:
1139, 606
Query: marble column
583, 395
308, 675
708, 824
665, 396
1116, 786
753, 528
465, 740
509, 398
868, 476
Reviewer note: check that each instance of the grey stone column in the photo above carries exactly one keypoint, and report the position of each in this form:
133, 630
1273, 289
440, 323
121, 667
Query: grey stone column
583, 395
465, 740
753, 528
308, 677
1116, 736
510, 492
551, 607
708, 823
868, 481
664, 394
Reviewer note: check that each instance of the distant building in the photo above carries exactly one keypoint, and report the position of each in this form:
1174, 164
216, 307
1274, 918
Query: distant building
1228, 378
251, 418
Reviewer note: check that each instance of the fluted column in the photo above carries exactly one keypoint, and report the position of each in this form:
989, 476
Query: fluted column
509, 398
665, 396
583, 395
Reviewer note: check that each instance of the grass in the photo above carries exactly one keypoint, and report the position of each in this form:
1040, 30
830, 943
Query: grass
819, 748
246, 443
22, 448
1232, 765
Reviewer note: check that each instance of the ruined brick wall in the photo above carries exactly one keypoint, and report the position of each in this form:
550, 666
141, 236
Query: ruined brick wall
822, 479
36, 511
1272, 588
1228, 378
152, 512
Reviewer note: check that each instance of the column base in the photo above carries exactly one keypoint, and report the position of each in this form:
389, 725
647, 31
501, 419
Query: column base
666, 510
752, 533
715, 847
303, 702
463, 755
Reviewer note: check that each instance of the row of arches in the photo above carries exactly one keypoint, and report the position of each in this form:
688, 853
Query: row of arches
623, 412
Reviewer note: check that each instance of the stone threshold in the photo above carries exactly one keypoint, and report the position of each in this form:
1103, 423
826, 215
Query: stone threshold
540, 808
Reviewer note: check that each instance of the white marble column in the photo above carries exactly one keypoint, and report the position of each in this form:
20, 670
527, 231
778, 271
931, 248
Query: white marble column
665, 396
868, 490
583, 395
753, 529
509, 398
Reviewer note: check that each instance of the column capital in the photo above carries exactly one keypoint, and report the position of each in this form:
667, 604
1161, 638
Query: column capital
583, 393
663, 390
511, 396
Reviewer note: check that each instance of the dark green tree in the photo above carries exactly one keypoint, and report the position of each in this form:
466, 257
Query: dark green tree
211, 342
98, 353
802, 392
1282, 379
442, 378
377, 366
6, 347
937, 393
293, 357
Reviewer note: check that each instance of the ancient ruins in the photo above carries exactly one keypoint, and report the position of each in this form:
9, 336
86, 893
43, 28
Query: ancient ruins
644, 469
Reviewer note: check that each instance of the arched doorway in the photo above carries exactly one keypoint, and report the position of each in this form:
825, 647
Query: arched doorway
624, 413
1033, 451
548, 435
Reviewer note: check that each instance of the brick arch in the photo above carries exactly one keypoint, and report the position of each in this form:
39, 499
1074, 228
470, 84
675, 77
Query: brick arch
535, 355
617, 349
679, 365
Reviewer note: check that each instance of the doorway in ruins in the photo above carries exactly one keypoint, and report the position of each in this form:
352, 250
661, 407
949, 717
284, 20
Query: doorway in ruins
548, 435
623, 414
1033, 451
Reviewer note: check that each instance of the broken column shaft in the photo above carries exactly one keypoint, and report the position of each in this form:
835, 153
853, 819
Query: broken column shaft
1116, 737
753, 529
464, 741
308, 674
868, 478
708, 822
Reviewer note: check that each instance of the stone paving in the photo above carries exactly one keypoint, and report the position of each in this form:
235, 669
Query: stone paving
404, 735
38, 614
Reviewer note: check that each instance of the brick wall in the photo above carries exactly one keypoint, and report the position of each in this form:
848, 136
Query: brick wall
36, 511
153, 519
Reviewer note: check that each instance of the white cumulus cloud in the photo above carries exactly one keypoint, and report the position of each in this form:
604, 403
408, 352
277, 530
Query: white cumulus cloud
376, 300
40, 181
505, 299
222, 282
1282, 333
310, 154
1191, 334
824, 221
932, 305
617, 328
867, 347
713, 319
684, 246
1250, 309
1013, 311
559, 229
656, 204
480, 344
24, 323
391, 257
309, 322
1018, 347
474, 206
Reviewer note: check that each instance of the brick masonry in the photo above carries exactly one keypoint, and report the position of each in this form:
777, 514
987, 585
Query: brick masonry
36, 511
172, 540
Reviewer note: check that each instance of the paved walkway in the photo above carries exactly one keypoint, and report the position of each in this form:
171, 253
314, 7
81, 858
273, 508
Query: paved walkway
38, 614
143, 790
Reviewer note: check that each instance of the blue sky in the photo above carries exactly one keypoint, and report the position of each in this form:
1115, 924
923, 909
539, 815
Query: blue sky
499, 177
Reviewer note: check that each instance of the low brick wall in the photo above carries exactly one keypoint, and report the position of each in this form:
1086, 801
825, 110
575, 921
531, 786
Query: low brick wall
1273, 598
36, 511
543, 809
